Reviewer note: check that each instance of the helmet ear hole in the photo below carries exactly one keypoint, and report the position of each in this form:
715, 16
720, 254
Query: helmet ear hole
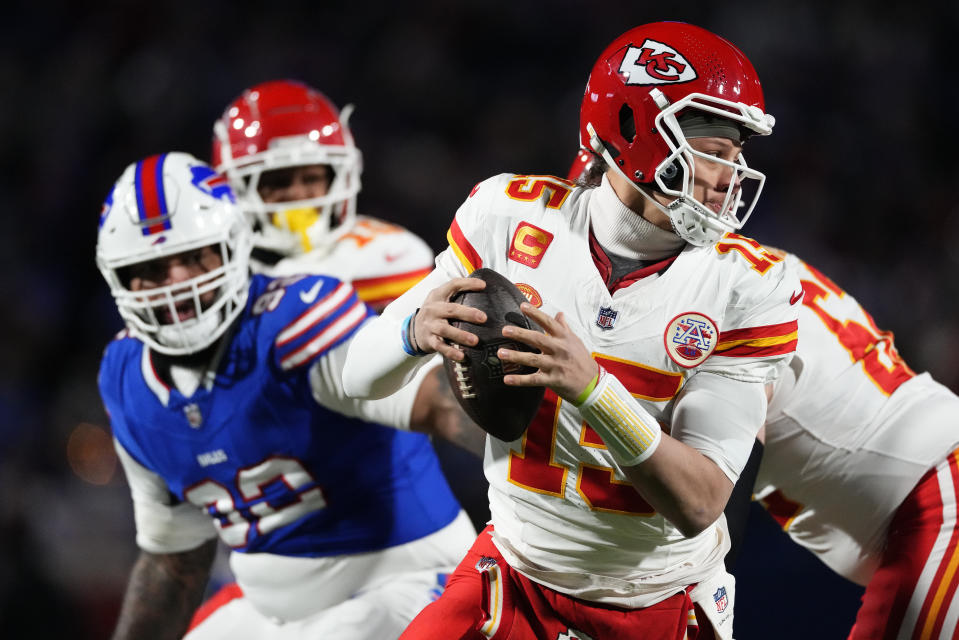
670, 175
627, 123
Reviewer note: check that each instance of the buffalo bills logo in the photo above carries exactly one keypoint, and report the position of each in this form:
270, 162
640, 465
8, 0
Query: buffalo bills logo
690, 338
107, 206
211, 183
655, 63
721, 599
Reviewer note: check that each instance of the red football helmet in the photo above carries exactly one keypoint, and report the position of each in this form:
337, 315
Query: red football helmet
638, 89
582, 167
281, 124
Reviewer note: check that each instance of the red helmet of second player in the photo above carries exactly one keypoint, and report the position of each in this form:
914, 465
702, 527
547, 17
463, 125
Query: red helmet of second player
282, 124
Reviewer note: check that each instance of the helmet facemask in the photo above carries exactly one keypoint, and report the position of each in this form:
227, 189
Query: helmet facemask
153, 314
675, 176
297, 226
693, 220
199, 211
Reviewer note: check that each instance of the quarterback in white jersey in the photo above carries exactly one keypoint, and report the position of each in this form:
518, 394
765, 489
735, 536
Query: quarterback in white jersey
860, 466
653, 334
663, 327
290, 156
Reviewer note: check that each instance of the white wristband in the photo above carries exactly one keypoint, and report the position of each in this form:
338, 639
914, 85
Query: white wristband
630, 432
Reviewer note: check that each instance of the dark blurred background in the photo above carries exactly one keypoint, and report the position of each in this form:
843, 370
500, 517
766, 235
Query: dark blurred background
861, 181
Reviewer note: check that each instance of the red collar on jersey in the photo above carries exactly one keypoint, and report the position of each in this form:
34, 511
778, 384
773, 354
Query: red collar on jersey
605, 267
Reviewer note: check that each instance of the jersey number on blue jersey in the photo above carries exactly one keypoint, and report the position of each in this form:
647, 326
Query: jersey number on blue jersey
293, 493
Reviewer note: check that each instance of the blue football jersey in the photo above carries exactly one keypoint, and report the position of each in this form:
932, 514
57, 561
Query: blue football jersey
276, 471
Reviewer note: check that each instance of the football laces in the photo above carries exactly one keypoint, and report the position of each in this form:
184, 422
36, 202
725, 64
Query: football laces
462, 377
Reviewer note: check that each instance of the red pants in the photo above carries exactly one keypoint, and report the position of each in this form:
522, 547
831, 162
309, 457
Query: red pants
913, 593
485, 599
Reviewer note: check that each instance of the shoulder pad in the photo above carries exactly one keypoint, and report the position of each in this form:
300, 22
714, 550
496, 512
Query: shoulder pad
305, 316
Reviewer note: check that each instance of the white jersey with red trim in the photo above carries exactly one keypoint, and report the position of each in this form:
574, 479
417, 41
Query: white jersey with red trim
563, 511
380, 259
850, 431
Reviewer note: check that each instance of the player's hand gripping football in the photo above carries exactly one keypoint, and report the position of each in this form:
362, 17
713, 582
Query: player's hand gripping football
431, 326
564, 364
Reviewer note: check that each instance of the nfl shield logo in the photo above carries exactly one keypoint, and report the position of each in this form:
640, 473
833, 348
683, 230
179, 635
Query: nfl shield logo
606, 318
721, 600
193, 415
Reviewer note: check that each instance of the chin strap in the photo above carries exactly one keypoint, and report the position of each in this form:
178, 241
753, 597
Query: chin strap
708, 233
596, 143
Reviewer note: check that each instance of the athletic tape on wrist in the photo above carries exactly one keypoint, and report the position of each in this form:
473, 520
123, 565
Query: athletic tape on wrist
630, 432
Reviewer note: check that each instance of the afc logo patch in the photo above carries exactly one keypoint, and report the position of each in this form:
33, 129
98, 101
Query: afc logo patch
655, 63
690, 338
529, 244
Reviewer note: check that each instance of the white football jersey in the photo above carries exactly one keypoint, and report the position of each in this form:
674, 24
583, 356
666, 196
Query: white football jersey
850, 430
380, 259
563, 511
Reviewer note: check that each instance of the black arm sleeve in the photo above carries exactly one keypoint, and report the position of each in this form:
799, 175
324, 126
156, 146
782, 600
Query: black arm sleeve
737, 509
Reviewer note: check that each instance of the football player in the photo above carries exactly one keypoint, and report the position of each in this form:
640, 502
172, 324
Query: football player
860, 466
226, 403
658, 316
859, 462
847, 406
290, 158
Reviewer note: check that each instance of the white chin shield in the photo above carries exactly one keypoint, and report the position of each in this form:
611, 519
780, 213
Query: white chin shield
694, 224
185, 337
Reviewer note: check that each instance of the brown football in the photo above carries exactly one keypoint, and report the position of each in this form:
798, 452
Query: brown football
503, 411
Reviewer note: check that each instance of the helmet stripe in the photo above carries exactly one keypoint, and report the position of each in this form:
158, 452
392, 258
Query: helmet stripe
151, 199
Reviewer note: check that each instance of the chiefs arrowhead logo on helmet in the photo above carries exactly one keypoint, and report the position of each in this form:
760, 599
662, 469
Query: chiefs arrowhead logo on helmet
655, 63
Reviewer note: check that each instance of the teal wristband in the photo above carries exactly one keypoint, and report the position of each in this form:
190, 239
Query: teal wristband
408, 339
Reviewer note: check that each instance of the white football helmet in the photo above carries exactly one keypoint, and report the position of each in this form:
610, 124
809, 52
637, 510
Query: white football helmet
162, 206
281, 124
